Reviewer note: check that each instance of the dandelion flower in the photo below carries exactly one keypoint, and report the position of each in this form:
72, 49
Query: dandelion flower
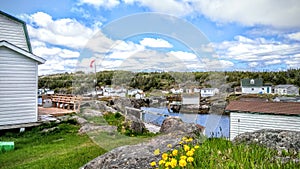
175, 152
156, 152
169, 145
183, 157
190, 159
190, 153
184, 139
164, 156
193, 150
182, 163
153, 163
186, 147
173, 163
189, 140
161, 162
196, 146
167, 164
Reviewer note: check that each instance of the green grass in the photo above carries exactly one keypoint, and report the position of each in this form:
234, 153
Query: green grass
61, 148
223, 154
113, 140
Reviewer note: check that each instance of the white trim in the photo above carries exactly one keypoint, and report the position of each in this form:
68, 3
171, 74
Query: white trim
22, 51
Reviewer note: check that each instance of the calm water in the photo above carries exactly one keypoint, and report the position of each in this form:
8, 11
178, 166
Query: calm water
215, 125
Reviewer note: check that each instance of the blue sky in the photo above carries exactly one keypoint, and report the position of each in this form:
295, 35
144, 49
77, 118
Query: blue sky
168, 35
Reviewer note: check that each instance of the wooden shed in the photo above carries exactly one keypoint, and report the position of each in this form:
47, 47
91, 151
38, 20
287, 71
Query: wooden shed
18, 73
249, 116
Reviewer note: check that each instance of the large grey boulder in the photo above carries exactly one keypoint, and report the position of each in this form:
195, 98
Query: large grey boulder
120, 103
134, 124
134, 156
281, 140
176, 125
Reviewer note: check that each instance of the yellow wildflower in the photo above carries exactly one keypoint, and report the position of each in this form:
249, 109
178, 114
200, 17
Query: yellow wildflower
182, 163
190, 153
181, 142
167, 164
197, 146
169, 145
189, 140
193, 150
161, 162
182, 157
184, 139
164, 156
190, 159
175, 152
186, 147
153, 163
173, 163
156, 152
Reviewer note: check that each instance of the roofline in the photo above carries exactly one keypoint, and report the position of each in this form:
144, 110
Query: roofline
24, 28
22, 51
249, 112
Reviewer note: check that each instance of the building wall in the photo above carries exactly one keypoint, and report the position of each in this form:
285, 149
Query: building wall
257, 90
249, 122
18, 88
13, 32
287, 91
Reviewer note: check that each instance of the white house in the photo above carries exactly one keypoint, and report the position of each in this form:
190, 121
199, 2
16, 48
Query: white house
251, 116
176, 91
286, 89
18, 73
137, 93
255, 86
209, 92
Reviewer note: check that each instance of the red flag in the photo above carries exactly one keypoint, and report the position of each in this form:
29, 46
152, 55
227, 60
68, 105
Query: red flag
92, 62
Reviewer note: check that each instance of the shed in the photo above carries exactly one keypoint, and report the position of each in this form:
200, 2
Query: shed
18, 73
251, 116
255, 86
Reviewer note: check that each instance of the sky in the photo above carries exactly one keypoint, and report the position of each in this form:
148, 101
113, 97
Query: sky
161, 35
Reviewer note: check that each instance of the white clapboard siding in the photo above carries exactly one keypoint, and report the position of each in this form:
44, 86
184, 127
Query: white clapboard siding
249, 122
13, 32
18, 88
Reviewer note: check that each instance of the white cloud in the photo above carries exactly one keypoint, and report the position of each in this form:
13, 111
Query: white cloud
294, 36
184, 56
101, 3
253, 64
246, 12
273, 62
65, 32
155, 43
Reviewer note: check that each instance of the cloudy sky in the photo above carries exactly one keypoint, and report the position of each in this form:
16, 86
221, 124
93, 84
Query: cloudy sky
164, 35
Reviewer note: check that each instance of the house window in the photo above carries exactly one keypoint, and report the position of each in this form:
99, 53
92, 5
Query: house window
262, 88
252, 89
252, 81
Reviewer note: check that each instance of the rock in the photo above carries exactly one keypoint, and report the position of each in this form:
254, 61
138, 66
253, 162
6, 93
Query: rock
79, 120
98, 105
121, 103
91, 127
134, 124
134, 156
176, 125
281, 140
90, 112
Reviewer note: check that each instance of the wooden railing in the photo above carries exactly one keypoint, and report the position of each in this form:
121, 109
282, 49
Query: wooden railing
66, 101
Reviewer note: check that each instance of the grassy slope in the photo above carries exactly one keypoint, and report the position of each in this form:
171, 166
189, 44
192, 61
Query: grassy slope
61, 148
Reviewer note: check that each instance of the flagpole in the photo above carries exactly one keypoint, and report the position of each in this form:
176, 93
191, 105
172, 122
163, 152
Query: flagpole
95, 78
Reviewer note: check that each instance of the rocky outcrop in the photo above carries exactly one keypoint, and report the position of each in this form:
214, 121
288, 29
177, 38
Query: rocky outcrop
176, 125
281, 140
91, 127
98, 105
120, 103
134, 124
135, 156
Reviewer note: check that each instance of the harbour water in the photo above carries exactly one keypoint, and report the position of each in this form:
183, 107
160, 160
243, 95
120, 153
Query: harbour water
215, 125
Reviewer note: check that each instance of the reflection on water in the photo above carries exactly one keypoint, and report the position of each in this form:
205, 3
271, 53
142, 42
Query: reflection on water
215, 125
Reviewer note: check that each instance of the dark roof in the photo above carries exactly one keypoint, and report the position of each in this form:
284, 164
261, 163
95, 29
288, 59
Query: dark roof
247, 83
24, 27
285, 108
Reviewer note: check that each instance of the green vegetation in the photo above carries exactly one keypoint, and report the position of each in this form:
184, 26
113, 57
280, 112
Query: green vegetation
60, 147
219, 153
79, 82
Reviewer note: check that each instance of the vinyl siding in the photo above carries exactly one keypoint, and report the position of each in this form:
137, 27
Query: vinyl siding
18, 88
13, 32
250, 122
